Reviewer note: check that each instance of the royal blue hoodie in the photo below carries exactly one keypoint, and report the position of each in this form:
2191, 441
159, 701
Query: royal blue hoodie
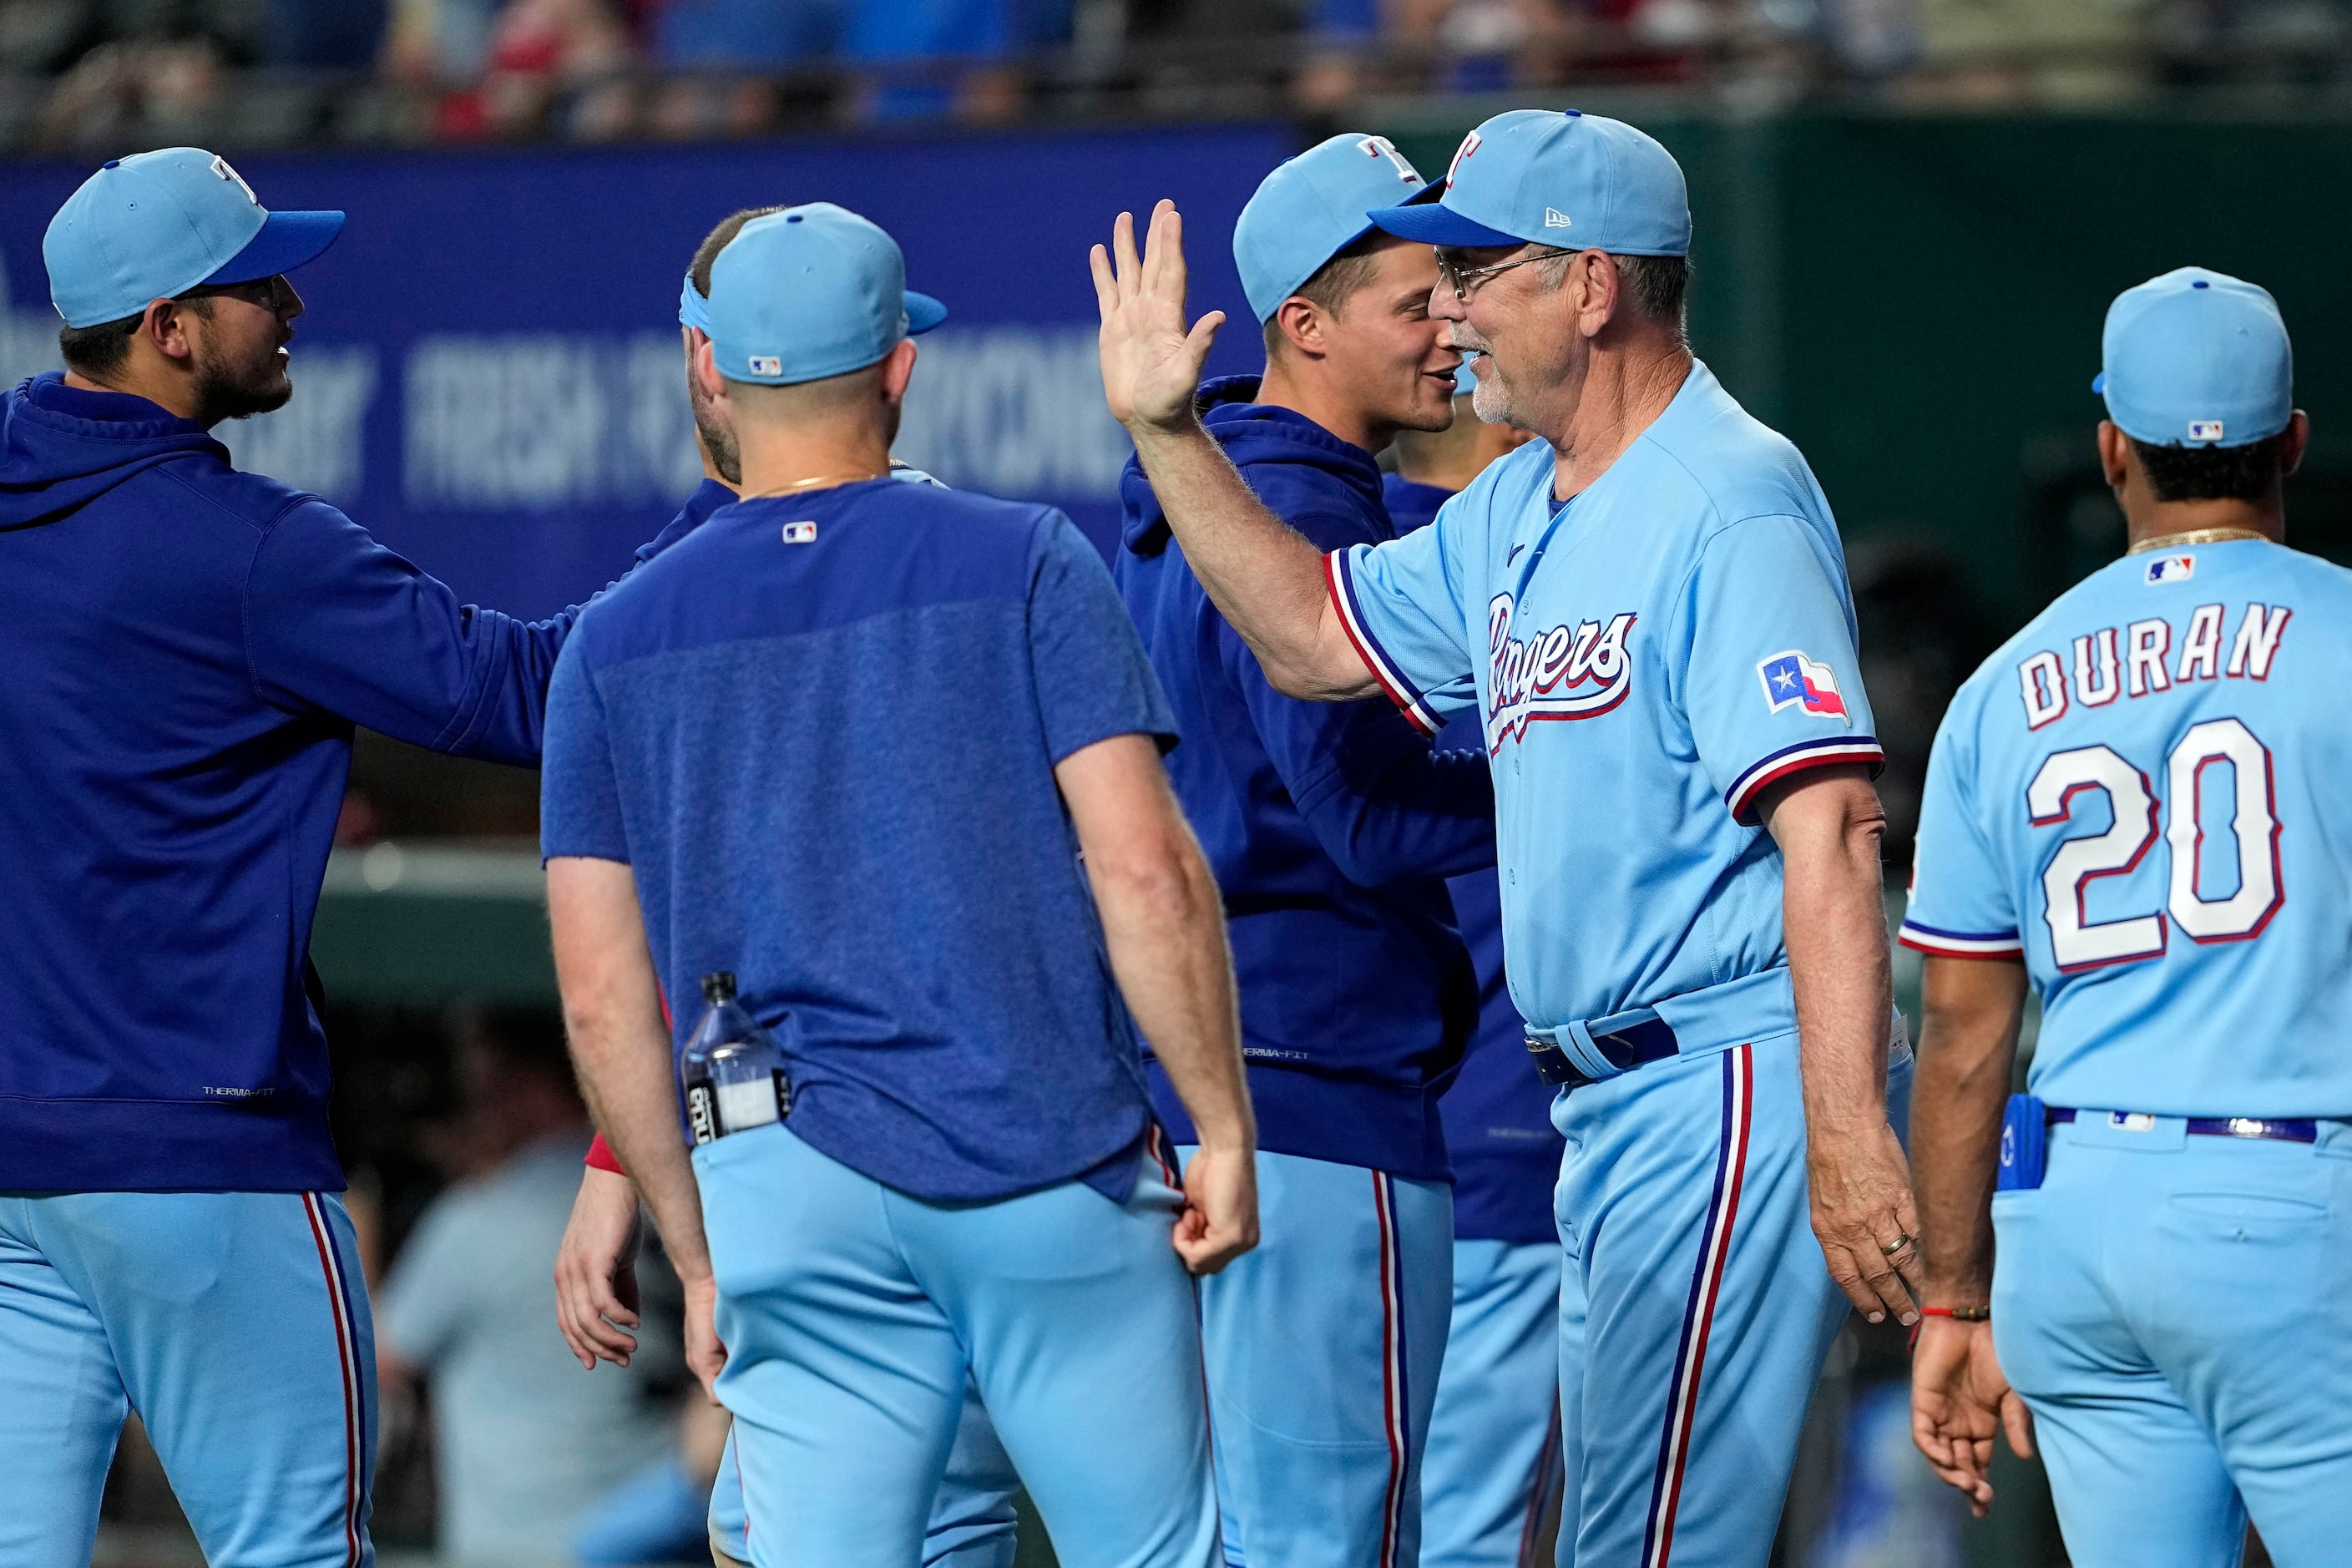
184, 651
1497, 1112
1330, 827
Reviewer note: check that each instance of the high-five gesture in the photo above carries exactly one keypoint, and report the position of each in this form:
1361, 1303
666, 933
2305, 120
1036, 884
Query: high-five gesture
1151, 360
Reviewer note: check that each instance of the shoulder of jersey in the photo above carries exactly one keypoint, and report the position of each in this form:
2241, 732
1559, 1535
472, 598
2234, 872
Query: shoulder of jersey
1740, 467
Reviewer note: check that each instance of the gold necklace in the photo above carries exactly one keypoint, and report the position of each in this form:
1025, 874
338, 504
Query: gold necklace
819, 482
2195, 536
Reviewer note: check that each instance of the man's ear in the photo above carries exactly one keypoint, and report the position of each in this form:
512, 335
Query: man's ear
164, 325
2298, 436
703, 366
898, 369
1595, 288
1300, 322
2115, 455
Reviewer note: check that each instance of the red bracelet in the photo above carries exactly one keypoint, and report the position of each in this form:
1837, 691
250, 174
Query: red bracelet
1959, 1314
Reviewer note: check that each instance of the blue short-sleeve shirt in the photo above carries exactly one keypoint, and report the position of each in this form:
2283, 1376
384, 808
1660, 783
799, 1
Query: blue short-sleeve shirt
1645, 659
821, 731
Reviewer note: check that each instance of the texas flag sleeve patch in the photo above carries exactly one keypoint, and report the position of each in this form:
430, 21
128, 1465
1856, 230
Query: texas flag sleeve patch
1792, 680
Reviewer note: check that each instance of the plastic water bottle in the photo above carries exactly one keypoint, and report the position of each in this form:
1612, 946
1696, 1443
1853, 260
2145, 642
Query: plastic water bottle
734, 1073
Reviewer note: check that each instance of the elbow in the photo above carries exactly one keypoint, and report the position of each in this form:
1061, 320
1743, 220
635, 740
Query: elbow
1161, 885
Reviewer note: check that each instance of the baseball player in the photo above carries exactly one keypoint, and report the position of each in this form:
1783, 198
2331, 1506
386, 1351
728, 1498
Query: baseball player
1650, 612
2151, 1247
972, 1522
1492, 1473
955, 1178
188, 649
1330, 830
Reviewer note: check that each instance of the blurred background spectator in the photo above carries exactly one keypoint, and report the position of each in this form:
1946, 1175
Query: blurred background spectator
83, 73
527, 1446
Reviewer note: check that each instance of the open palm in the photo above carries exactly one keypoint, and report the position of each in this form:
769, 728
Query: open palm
1151, 360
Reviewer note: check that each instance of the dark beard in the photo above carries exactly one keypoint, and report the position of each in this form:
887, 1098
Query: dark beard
223, 393
725, 456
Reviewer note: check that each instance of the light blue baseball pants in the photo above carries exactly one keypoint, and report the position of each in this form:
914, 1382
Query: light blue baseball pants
853, 1316
2177, 1312
1493, 1469
236, 1324
1323, 1350
1696, 1306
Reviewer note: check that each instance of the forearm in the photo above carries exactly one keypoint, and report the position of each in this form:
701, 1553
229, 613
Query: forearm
1835, 921
612, 1012
1968, 1046
625, 1073
1263, 576
1166, 937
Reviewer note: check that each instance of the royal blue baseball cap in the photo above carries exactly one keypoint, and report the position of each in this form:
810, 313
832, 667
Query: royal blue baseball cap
1582, 182
2197, 359
810, 292
1313, 207
156, 225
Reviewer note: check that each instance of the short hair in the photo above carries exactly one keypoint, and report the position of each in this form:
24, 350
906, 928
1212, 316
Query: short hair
2212, 473
1331, 285
99, 352
706, 254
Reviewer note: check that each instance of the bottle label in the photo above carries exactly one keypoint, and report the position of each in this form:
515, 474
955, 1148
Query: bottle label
743, 1106
699, 1113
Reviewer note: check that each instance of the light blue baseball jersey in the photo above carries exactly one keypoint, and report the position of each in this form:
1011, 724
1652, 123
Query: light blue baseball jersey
1648, 658
2125, 795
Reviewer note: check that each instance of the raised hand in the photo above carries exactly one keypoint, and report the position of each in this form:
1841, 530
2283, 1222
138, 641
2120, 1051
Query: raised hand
1151, 360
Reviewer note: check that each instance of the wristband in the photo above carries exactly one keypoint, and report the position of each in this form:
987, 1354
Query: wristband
1959, 1314
600, 1157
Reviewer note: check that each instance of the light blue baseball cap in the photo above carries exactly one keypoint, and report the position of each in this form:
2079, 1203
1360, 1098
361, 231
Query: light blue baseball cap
2197, 359
810, 292
155, 224
1578, 181
1313, 207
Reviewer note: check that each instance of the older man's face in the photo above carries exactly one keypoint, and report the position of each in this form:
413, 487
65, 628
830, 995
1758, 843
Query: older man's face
1519, 350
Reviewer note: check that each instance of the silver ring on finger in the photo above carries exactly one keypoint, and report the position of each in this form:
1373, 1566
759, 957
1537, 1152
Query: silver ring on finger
1898, 1244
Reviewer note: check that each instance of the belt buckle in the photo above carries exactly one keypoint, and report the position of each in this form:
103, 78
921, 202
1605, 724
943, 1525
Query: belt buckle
1552, 1064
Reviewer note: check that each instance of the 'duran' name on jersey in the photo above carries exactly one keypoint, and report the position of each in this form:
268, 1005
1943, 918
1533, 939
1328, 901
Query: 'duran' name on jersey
2151, 657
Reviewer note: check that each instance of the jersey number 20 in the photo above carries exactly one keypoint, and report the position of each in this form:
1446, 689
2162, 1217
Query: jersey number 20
2078, 943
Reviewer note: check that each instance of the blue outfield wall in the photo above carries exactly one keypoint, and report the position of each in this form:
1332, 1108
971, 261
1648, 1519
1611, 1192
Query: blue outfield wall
489, 374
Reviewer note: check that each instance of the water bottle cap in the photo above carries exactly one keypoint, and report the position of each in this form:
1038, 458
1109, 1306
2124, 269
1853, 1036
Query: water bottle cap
718, 986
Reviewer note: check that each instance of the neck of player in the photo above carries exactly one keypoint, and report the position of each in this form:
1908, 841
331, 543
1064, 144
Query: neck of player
1306, 387
810, 454
2152, 523
1625, 382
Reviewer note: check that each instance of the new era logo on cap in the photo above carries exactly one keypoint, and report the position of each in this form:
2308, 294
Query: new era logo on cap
1555, 218
2205, 429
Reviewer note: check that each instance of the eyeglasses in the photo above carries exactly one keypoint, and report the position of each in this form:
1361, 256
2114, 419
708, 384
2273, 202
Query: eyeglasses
268, 293
1463, 280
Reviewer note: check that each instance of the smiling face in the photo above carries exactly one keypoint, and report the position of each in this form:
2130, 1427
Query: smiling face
1384, 346
237, 336
1521, 351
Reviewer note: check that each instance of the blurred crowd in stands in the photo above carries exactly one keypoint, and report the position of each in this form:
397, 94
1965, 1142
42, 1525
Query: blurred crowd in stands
86, 73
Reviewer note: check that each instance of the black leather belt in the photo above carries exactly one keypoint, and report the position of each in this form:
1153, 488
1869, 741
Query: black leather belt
1629, 1045
2280, 1129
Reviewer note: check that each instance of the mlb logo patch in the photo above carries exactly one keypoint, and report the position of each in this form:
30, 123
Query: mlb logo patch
2204, 429
766, 364
799, 534
1792, 680
2172, 569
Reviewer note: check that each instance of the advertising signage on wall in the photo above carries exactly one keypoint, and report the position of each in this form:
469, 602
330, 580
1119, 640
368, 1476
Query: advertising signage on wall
489, 375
